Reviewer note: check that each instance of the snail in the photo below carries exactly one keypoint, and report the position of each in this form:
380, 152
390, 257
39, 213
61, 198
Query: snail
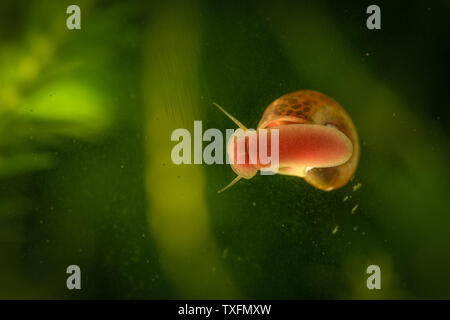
317, 140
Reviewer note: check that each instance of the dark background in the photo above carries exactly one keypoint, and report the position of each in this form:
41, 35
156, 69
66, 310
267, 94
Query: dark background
85, 170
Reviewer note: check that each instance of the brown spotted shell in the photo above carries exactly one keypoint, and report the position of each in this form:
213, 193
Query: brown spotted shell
308, 106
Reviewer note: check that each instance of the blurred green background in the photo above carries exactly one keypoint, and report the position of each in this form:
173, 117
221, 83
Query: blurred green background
86, 176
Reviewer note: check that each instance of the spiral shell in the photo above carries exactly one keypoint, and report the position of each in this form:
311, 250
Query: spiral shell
312, 107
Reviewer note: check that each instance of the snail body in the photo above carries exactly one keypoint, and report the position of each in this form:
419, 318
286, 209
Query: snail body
317, 140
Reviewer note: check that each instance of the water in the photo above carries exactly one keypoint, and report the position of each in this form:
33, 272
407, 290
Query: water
87, 178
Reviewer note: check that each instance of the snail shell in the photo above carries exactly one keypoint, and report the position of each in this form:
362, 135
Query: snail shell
312, 107
317, 140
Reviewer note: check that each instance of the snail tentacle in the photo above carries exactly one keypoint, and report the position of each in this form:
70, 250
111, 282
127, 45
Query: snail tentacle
240, 125
230, 184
